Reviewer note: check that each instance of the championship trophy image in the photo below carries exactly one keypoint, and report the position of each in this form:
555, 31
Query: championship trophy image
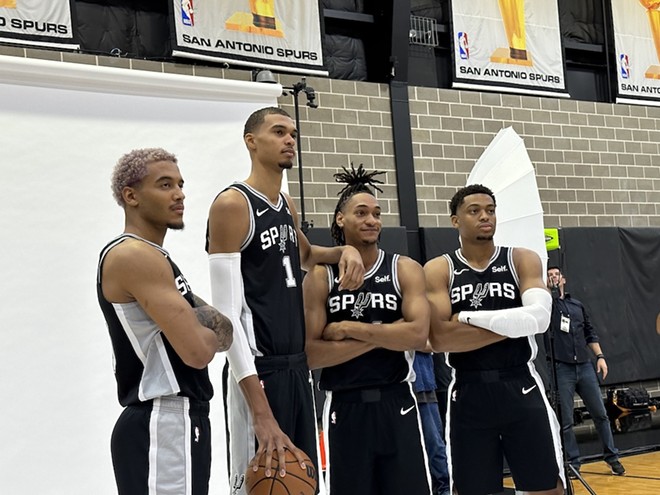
653, 13
513, 16
260, 20
10, 4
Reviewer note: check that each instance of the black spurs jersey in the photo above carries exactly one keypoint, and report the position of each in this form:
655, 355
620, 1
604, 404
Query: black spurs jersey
146, 365
377, 301
494, 287
272, 277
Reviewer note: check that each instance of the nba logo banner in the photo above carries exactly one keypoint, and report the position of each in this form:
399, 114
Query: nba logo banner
463, 49
274, 34
187, 13
624, 63
508, 45
35, 23
637, 44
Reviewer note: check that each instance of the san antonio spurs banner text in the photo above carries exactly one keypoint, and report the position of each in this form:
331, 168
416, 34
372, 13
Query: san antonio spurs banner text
37, 23
637, 45
508, 45
276, 34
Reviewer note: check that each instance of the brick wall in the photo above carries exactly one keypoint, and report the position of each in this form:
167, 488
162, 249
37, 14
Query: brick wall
597, 164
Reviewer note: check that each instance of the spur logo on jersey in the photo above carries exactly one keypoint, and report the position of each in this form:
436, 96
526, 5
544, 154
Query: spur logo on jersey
477, 293
362, 301
237, 483
358, 303
278, 236
182, 285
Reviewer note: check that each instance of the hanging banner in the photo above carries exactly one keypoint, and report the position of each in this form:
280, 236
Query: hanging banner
508, 45
272, 34
637, 44
37, 23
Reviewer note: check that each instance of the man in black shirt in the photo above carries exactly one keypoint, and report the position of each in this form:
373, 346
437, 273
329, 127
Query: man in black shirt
363, 340
573, 334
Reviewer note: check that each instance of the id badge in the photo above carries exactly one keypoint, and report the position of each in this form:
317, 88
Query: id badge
565, 325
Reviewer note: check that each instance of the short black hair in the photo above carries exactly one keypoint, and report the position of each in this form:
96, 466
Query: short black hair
553, 267
259, 116
459, 197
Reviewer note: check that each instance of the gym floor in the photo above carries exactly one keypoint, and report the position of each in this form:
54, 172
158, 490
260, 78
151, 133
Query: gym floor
637, 437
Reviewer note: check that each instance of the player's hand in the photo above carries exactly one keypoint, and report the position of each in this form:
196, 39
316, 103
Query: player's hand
334, 331
351, 269
601, 367
269, 438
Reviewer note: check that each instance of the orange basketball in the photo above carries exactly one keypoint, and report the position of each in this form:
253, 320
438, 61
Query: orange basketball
296, 482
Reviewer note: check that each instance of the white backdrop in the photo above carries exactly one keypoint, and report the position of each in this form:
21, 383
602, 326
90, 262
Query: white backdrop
57, 150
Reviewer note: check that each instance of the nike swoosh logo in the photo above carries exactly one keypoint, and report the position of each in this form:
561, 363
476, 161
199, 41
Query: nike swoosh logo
261, 212
406, 411
458, 272
525, 391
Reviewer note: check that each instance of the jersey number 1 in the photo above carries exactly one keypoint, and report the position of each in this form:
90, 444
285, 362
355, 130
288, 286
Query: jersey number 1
290, 279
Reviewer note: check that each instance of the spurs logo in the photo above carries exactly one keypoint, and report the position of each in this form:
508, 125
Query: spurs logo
237, 483
362, 301
476, 293
376, 300
480, 291
283, 238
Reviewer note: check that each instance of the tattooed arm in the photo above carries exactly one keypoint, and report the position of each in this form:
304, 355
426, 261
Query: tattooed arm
216, 321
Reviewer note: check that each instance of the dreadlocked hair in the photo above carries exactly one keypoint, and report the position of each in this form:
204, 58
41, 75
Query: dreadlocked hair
357, 181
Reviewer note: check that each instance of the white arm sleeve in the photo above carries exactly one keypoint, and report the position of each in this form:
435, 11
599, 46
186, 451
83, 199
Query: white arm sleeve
530, 318
227, 297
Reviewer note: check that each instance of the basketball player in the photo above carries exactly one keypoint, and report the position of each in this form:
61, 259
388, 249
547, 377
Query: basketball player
487, 302
162, 337
256, 251
364, 340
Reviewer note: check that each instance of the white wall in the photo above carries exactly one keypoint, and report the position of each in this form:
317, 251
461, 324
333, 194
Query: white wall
62, 129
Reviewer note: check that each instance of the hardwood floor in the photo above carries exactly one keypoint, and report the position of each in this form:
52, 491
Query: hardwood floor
642, 477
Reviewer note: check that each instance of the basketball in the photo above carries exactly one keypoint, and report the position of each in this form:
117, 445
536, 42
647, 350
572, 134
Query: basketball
296, 482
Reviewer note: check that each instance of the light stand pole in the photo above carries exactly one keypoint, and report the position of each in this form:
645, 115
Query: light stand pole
295, 90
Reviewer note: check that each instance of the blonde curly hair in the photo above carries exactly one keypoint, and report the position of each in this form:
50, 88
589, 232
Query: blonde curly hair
132, 168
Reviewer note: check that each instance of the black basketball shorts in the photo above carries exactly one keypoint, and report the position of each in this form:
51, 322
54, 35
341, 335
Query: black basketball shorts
374, 442
163, 446
501, 413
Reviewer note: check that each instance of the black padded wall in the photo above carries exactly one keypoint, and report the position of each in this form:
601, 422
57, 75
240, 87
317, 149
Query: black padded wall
138, 29
615, 272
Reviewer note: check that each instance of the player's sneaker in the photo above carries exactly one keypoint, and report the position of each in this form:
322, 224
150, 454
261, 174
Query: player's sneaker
617, 468
571, 473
